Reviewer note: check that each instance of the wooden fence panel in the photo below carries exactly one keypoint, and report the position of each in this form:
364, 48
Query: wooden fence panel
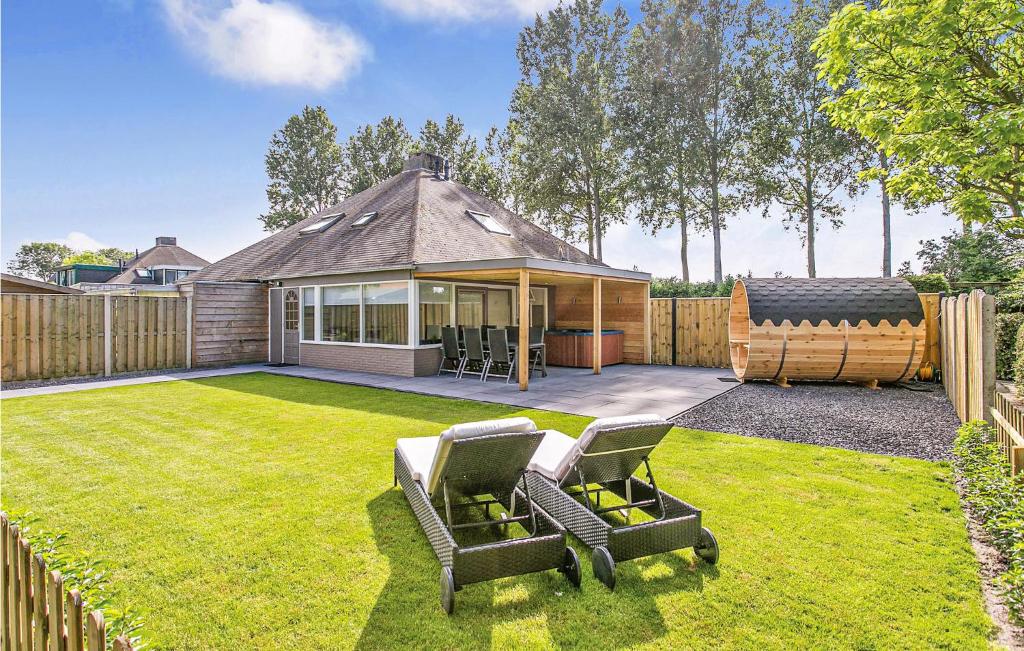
47, 336
968, 335
35, 610
690, 331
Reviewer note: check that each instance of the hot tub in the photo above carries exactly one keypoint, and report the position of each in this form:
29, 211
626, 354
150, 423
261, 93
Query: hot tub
572, 347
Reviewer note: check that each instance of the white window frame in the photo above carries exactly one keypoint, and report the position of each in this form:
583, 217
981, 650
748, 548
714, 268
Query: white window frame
414, 339
318, 329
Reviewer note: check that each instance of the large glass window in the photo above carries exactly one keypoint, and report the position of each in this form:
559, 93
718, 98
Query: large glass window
386, 313
435, 310
309, 313
339, 313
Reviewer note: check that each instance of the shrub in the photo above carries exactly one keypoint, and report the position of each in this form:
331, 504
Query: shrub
997, 498
85, 575
929, 283
1007, 327
1011, 298
672, 287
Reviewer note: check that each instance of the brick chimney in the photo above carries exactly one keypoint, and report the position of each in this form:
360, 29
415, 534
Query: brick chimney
439, 165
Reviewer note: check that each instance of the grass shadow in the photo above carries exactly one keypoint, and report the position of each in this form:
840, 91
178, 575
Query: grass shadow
388, 402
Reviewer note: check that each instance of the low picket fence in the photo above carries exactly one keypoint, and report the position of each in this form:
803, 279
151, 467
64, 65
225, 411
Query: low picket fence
38, 613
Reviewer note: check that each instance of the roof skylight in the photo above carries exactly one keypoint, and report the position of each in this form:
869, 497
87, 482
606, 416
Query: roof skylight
488, 222
365, 218
320, 226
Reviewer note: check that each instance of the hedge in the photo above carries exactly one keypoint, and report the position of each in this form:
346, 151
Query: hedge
997, 498
929, 283
1007, 327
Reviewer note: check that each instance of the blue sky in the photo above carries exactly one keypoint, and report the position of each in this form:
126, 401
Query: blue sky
128, 119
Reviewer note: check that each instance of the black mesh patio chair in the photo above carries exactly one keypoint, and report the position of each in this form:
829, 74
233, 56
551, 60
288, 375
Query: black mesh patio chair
499, 356
537, 355
568, 476
451, 354
513, 334
474, 467
476, 362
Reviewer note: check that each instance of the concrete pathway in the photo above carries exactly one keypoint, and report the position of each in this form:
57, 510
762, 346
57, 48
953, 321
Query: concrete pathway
85, 385
620, 389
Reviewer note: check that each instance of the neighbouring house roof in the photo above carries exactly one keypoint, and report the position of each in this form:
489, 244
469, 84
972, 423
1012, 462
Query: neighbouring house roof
166, 253
11, 284
421, 219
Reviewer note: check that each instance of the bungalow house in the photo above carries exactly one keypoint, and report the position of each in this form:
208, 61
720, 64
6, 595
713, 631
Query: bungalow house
368, 284
153, 272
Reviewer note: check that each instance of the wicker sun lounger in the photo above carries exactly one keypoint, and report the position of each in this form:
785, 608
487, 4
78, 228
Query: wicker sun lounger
477, 466
567, 477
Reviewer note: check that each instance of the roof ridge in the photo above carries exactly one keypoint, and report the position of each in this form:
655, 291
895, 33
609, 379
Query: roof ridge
414, 228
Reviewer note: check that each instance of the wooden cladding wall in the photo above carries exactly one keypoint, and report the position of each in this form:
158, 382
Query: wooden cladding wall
52, 336
701, 332
37, 612
229, 323
622, 308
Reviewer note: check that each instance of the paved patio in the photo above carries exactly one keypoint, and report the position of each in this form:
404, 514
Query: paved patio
620, 389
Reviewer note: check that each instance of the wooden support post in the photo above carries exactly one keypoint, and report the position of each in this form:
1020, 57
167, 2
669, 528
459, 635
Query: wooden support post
108, 342
597, 325
523, 351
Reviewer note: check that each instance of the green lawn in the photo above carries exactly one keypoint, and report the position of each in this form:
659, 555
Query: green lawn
257, 511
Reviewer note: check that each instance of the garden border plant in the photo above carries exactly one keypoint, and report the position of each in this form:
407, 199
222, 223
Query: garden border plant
85, 574
997, 499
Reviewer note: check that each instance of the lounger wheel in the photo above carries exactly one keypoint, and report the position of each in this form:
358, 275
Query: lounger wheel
571, 567
707, 548
447, 590
604, 567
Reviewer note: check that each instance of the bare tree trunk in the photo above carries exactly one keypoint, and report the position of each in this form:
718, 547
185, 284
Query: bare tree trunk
886, 232
598, 237
590, 230
812, 271
683, 253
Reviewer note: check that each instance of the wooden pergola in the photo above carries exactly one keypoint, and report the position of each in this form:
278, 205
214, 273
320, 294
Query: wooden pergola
586, 296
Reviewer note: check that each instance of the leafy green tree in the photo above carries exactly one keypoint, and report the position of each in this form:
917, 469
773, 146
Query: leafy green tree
802, 159
114, 254
985, 255
304, 164
655, 115
38, 259
571, 62
470, 164
733, 75
938, 86
88, 257
374, 153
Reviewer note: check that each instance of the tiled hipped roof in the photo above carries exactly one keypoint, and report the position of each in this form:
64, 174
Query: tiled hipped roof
168, 255
420, 219
832, 300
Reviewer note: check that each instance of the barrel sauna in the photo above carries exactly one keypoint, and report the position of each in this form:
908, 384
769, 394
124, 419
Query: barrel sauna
832, 329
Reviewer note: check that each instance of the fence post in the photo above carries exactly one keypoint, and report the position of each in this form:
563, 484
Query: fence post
188, 332
108, 343
675, 345
988, 356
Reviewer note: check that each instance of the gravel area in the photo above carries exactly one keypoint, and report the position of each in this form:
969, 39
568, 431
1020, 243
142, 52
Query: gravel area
914, 422
31, 384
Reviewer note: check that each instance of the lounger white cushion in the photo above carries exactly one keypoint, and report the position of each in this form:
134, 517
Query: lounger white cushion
558, 452
426, 456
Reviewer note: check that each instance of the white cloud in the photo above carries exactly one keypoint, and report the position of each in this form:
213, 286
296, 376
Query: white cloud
269, 43
468, 10
81, 242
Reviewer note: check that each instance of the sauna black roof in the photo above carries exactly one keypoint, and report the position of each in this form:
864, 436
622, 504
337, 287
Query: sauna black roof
832, 300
